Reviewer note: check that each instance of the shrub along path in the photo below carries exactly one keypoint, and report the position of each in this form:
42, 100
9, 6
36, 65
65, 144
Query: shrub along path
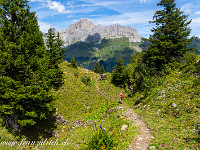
142, 140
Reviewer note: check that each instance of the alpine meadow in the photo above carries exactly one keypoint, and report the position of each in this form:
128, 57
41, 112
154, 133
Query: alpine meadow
93, 87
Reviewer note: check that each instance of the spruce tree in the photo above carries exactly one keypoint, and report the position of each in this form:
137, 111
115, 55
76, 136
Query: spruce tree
55, 51
102, 70
97, 68
73, 63
169, 39
118, 77
24, 84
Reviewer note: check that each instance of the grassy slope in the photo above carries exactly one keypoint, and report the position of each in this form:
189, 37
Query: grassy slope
172, 111
172, 127
76, 101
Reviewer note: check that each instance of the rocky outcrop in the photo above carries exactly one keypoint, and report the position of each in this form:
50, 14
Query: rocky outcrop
84, 30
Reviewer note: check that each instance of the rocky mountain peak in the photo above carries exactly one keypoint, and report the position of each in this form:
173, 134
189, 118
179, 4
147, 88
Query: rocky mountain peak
84, 29
84, 23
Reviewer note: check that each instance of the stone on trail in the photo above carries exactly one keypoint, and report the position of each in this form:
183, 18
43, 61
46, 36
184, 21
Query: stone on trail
152, 147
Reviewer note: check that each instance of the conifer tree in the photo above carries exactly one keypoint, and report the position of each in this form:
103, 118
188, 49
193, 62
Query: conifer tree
97, 68
102, 70
55, 51
118, 77
24, 84
73, 63
169, 39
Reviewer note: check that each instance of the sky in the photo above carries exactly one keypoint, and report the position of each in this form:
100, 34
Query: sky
60, 14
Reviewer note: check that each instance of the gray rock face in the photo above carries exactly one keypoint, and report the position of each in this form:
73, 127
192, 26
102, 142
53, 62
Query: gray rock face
84, 30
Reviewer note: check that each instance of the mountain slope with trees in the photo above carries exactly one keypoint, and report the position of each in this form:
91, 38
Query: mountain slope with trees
106, 53
52, 104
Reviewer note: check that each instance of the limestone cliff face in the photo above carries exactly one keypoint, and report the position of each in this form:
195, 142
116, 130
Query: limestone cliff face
84, 30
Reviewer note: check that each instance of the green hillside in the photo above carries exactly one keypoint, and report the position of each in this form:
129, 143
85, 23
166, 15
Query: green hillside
106, 52
171, 110
82, 106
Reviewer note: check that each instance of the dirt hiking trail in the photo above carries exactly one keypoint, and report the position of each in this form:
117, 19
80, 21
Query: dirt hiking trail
142, 140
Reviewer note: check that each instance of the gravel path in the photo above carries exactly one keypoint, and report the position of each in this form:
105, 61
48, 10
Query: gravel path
142, 140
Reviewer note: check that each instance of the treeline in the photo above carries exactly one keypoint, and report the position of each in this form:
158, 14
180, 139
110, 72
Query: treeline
167, 49
28, 68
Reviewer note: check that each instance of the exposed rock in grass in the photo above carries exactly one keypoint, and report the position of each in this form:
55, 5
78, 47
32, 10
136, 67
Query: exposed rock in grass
103, 77
53, 133
137, 106
118, 108
89, 122
78, 123
60, 119
173, 105
152, 147
109, 110
124, 127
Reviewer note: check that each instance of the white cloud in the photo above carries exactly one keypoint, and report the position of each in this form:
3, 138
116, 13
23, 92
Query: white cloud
197, 13
54, 5
196, 20
44, 27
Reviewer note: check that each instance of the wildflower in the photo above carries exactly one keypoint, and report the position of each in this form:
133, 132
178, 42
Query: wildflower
95, 124
101, 127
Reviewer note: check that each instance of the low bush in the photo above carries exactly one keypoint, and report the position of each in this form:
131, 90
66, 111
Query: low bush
86, 80
102, 140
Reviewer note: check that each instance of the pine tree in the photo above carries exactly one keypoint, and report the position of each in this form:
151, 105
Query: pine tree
24, 84
169, 39
118, 77
102, 70
97, 68
73, 63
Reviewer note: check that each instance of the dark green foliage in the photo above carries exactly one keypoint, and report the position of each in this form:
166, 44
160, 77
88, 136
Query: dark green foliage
139, 74
102, 140
24, 77
102, 70
97, 68
164, 49
86, 80
55, 56
118, 77
169, 39
73, 63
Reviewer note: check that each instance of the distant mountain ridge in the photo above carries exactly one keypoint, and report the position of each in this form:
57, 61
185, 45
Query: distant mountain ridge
84, 30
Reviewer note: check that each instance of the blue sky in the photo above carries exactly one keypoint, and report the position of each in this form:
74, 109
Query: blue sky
135, 13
